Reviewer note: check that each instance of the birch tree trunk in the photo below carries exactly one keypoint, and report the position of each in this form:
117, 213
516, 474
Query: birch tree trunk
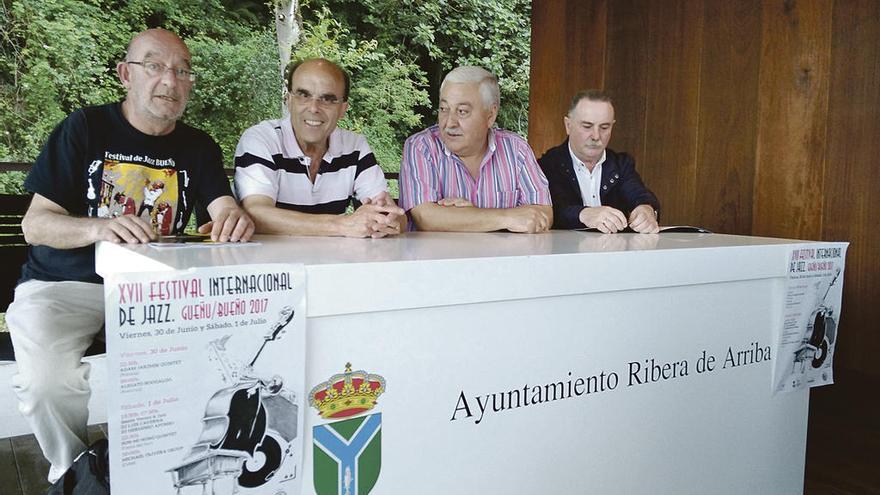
288, 26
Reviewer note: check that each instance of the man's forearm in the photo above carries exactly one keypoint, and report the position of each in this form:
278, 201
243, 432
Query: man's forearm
274, 220
433, 217
59, 230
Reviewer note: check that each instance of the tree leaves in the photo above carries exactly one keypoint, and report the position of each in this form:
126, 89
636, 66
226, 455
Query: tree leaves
385, 89
59, 55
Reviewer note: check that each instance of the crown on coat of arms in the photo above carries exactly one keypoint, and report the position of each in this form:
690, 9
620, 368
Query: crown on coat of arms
347, 394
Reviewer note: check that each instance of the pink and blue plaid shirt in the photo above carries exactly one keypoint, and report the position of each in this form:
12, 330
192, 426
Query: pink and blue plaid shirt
509, 174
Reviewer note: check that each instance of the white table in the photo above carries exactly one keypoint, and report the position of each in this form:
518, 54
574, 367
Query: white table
447, 318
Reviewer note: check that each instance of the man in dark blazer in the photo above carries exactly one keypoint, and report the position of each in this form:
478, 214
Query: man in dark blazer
592, 186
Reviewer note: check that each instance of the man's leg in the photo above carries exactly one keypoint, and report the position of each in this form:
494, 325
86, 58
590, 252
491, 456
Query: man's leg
51, 325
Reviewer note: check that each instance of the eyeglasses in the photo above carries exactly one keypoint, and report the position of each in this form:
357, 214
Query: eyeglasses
303, 97
154, 69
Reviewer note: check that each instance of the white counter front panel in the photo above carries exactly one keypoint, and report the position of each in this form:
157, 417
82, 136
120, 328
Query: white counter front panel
447, 318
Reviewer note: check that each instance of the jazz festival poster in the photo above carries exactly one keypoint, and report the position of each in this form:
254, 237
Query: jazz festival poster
811, 315
206, 380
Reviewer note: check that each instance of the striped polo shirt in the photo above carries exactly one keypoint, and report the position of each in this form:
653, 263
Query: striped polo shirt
509, 174
269, 161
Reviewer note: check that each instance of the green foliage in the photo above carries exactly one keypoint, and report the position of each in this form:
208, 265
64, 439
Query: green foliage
384, 90
55, 57
440, 35
59, 55
214, 19
239, 84
12, 182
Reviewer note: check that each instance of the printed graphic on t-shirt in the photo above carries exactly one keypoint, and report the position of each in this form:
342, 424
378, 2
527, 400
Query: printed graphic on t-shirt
136, 189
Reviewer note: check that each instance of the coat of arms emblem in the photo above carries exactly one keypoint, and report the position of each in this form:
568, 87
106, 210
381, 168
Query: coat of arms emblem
347, 453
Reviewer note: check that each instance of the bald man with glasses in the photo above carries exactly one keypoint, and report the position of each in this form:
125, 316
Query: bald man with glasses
97, 166
297, 175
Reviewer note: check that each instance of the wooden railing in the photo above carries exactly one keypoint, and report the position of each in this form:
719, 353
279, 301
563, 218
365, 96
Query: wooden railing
15, 166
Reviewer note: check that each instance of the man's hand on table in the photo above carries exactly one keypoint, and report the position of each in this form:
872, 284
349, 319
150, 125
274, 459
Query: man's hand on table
231, 224
605, 218
643, 220
129, 229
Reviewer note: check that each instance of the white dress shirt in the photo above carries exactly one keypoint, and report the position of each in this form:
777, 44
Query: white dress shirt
589, 182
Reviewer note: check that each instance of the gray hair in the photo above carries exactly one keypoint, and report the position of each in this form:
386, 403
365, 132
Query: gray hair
589, 95
489, 90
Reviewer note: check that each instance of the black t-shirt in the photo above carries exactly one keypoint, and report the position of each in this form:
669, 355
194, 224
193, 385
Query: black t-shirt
95, 164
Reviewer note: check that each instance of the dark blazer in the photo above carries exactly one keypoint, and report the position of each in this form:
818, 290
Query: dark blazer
621, 186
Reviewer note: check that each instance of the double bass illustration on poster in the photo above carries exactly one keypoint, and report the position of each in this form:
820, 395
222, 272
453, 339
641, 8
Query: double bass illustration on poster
807, 335
248, 426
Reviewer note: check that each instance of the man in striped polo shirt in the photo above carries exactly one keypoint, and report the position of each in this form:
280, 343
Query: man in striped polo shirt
297, 175
464, 175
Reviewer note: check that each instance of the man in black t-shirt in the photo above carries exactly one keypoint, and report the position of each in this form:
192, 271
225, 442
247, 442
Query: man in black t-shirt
100, 166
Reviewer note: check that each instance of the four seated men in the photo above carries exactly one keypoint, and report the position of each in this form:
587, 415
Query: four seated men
294, 175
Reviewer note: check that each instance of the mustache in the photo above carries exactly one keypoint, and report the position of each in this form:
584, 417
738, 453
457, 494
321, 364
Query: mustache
173, 96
